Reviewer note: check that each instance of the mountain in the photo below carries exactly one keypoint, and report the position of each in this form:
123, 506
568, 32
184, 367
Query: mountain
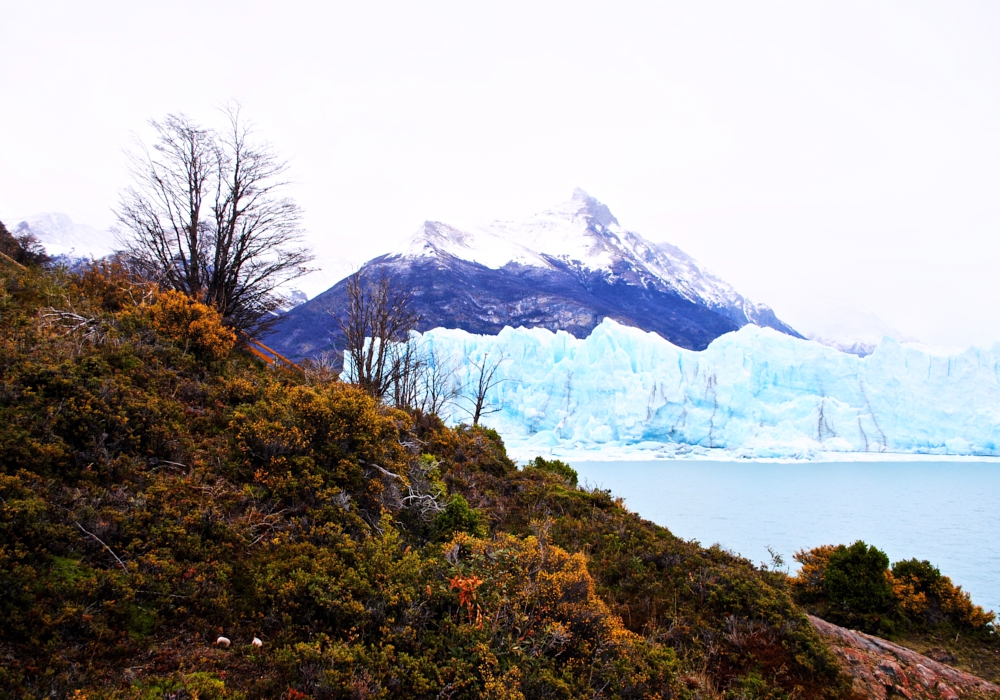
567, 269
62, 237
848, 329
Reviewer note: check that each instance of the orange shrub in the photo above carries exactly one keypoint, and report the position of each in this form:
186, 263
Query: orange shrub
809, 582
957, 603
184, 320
905, 591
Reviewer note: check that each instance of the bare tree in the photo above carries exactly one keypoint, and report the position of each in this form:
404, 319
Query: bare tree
424, 380
383, 356
439, 389
376, 331
205, 216
484, 380
410, 366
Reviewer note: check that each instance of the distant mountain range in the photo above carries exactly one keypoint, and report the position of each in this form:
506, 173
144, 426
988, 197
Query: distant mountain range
567, 269
841, 326
62, 238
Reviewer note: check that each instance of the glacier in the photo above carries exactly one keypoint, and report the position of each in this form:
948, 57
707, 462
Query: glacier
754, 393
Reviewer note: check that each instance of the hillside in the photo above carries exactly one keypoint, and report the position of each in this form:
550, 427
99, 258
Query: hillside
160, 489
567, 269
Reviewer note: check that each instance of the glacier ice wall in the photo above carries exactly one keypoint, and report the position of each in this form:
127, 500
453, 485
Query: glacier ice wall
756, 392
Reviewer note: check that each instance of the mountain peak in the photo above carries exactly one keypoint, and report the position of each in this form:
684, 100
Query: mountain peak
592, 208
60, 235
581, 236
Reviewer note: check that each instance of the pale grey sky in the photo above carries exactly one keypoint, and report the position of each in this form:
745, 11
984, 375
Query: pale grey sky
813, 154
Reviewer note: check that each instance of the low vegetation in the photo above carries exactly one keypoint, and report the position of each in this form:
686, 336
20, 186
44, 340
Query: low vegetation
160, 488
910, 602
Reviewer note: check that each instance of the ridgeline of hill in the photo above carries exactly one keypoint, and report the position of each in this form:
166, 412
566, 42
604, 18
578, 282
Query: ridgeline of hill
161, 488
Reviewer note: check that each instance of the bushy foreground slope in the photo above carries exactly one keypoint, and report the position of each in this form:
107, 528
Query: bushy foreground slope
160, 488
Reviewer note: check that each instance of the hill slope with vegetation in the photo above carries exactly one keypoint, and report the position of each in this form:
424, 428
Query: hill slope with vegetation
161, 488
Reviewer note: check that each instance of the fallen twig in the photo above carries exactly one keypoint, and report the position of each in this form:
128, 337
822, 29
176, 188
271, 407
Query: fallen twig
103, 544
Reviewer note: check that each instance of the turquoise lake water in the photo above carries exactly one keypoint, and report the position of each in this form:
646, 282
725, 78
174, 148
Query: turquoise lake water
945, 512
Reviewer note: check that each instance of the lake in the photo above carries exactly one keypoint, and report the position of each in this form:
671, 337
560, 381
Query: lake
943, 511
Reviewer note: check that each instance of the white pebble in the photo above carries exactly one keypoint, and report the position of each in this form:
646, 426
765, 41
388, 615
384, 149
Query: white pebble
257, 643
222, 642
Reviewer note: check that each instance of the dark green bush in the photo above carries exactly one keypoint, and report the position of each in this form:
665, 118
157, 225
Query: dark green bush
557, 467
458, 516
924, 574
857, 587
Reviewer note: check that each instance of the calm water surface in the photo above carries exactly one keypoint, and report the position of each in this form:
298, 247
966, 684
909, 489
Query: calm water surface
945, 512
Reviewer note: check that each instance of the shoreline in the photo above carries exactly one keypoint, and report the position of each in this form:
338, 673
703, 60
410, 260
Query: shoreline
672, 452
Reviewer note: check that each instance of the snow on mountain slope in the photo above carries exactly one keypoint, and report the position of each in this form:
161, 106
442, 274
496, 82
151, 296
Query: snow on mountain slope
62, 237
583, 235
754, 392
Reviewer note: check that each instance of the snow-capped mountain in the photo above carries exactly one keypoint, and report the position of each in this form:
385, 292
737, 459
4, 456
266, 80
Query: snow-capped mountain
849, 329
62, 237
567, 268
292, 298
583, 236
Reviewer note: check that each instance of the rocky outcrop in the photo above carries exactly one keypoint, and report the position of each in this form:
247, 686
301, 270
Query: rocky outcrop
883, 670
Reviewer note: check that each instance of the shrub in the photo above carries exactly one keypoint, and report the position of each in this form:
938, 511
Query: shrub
809, 583
856, 585
191, 323
927, 597
110, 287
557, 467
853, 585
458, 516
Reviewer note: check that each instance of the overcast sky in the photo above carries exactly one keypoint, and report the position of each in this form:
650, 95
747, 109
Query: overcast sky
812, 154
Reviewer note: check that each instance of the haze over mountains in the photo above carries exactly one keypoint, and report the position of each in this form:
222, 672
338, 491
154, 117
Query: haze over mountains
567, 268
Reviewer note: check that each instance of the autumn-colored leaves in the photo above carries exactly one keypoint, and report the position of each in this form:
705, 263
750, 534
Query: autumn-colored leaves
466, 587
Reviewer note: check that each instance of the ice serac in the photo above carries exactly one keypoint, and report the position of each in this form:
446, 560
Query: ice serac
754, 392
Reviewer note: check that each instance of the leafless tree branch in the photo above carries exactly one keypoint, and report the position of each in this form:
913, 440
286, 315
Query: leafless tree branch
376, 328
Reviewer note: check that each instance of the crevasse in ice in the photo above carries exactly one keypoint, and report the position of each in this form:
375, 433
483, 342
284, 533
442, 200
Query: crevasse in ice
754, 392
